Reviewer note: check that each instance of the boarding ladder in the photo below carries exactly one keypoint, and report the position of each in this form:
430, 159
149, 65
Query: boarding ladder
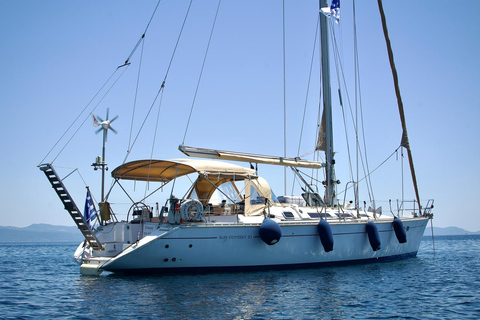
70, 205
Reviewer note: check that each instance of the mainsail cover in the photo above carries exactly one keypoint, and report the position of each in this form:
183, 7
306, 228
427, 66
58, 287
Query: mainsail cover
322, 135
248, 157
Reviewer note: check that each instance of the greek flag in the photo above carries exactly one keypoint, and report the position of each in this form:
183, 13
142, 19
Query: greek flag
333, 11
90, 214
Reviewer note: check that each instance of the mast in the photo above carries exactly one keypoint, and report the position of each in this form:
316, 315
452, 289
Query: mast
330, 179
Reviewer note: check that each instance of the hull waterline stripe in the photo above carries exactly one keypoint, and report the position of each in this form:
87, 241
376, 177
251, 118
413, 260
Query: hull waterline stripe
222, 269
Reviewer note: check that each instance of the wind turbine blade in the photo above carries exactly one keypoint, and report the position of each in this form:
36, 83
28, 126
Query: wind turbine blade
108, 110
98, 131
95, 121
114, 118
100, 119
114, 131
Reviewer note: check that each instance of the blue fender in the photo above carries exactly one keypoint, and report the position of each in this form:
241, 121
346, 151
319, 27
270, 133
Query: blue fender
373, 236
270, 232
399, 230
326, 236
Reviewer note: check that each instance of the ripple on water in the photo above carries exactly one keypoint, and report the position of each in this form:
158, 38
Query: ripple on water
43, 281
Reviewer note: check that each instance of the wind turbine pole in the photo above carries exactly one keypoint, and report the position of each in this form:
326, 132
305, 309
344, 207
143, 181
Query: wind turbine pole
104, 125
103, 165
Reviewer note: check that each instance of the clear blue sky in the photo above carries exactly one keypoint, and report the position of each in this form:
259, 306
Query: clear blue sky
56, 54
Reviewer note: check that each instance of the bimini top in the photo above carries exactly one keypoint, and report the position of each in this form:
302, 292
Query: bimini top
166, 170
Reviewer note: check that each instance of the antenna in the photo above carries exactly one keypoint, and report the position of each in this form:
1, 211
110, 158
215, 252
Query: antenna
104, 125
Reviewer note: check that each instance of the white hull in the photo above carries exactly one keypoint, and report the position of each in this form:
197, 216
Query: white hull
213, 247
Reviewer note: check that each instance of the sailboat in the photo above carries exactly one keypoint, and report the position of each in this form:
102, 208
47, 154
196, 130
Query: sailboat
229, 218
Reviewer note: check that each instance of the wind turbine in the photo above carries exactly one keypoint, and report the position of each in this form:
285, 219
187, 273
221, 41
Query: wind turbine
104, 125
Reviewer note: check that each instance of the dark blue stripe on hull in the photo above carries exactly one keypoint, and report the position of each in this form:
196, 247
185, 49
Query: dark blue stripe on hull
203, 270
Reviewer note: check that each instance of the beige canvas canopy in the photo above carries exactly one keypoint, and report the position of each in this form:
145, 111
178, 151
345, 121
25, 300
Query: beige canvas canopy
253, 207
166, 170
212, 173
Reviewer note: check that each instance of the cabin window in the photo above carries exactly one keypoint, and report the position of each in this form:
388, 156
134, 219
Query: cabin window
255, 198
288, 215
227, 193
194, 195
316, 215
345, 215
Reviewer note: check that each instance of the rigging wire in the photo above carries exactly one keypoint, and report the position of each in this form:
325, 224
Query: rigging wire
162, 86
86, 118
201, 71
74, 121
355, 123
176, 44
306, 99
356, 77
97, 93
153, 143
136, 95
339, 71
338, 64
308, 89
160, 90
366, 168
144, 121
378, 167
284, 104
144, 33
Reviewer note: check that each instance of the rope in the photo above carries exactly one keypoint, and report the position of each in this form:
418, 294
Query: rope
381, 164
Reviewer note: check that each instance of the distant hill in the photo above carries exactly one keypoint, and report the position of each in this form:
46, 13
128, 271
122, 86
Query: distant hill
40, 233
448, 231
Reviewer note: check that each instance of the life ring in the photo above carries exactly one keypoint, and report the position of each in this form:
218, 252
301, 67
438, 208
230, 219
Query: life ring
191, 209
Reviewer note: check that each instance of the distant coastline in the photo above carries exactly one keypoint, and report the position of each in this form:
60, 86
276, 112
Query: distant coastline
448, 231
40, 233
51, 233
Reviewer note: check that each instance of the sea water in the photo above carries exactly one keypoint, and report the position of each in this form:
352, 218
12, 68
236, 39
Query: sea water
42, 281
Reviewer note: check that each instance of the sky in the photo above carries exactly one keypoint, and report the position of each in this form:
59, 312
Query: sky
56, 55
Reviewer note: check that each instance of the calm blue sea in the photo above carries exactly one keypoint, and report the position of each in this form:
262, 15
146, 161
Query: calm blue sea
41, 281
